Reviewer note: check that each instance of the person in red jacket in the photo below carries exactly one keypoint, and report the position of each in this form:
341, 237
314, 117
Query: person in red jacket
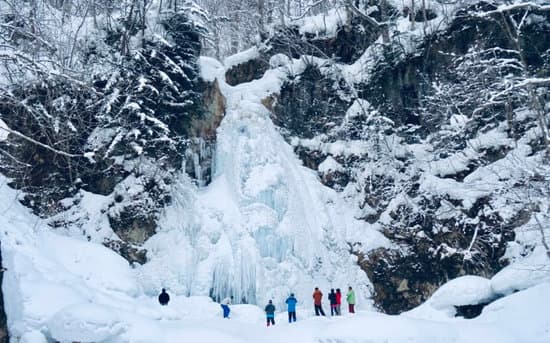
317, 302
338, 302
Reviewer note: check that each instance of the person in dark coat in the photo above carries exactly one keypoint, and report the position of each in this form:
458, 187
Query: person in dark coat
317, 301
333, 303
291, 307
270, 313
164, 298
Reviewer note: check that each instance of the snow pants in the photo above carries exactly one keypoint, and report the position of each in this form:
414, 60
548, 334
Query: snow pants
319, 310
226, 310
291, 317
351, 308
270, 319
333, 310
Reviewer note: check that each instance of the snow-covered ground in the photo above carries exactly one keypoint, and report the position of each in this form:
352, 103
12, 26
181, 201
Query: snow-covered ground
67, 290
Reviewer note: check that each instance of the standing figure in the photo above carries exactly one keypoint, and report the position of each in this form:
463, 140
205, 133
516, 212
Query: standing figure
225, 306
332, 299
164, 298
350, 297
317, 302
291, 307
270, 313
338, 302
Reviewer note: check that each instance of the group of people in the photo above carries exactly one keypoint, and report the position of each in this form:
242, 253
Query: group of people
335, 298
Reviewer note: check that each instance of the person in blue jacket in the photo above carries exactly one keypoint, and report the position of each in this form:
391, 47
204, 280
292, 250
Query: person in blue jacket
291, 307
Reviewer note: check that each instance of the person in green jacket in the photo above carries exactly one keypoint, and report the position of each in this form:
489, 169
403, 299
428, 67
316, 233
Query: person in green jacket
350, 297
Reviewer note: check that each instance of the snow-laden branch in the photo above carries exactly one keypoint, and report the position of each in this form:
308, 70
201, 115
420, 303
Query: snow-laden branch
307, 10
31, 35
364, 16
530, 82
5, 153
513, 7
45, 146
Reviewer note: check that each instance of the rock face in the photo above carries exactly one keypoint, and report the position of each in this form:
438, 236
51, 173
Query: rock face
348, 44
245, 72
199, 153
308, 107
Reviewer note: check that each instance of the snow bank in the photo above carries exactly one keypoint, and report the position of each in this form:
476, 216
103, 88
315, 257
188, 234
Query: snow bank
323, 24
464, 290
241, 57
525, 273
522, 315
210, 68
85, 323
329, 165
337, 148
467, 192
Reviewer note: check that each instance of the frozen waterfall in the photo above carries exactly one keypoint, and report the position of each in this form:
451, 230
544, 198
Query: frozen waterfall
265, 226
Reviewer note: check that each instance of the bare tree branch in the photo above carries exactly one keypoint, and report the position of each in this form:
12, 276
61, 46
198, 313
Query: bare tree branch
45, 146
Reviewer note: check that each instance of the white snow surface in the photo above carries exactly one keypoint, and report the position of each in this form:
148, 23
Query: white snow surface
63, 289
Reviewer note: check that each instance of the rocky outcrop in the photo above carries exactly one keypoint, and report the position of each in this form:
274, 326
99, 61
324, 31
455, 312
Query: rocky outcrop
132, 253
200, 150
247, 71
470, 311
308, 106
347, 45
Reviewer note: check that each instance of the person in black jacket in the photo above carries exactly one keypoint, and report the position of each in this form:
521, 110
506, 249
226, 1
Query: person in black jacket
333, 303
164, 298
270, 313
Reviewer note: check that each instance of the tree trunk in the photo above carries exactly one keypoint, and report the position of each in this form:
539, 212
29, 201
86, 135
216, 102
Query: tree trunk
261, 19
384, 17
413, 15
424, 17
